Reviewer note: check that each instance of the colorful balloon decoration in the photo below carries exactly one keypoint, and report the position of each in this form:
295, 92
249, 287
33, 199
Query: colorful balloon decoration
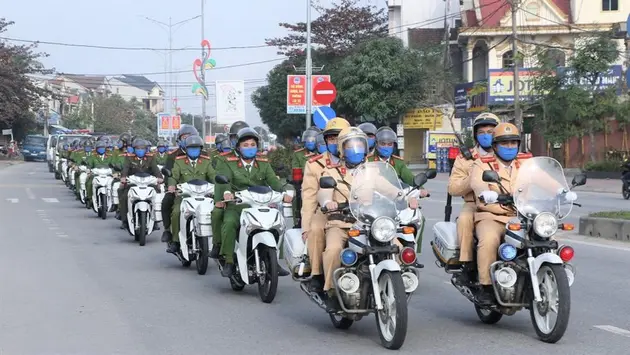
205, 63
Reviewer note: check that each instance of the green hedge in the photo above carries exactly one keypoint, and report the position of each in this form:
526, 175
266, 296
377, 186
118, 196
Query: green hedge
281, 157
606, 166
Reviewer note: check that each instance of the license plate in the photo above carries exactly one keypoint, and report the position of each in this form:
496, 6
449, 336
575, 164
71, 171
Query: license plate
34, 154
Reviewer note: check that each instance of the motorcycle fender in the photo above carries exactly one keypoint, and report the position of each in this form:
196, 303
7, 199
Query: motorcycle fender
142, 206
102, 190
265, 238
409, 238
549, 258
388, 264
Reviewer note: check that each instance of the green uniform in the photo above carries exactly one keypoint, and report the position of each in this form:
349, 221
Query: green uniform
161, 158
93, 161
131, 166
240, 179
399, 165
169, 199
217, 213
77, 157
185, 170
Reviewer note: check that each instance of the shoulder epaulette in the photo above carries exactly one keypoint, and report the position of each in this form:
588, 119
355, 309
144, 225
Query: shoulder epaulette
264, 160
180, 157
370, 155
258, 154
204, 157
524, 156
151, 154
475, 156
298, 150
488, 159
396, 157
315, 158
232, 159
225, 153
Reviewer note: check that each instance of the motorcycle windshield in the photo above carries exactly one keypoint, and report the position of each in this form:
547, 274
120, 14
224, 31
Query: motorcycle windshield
541, 187
374, 192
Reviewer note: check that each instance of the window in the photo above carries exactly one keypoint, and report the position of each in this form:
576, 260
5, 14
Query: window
508, 60
610, 5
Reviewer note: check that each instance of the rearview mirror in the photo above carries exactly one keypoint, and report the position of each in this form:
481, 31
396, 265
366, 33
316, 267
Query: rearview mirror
327, 182
579, 180
431, 174
166, 172
420, 179
221, 179
490, 176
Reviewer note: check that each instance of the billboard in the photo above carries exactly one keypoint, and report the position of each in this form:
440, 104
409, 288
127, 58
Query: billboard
167, 125
423, 118
230, 95
296, 92
471, 98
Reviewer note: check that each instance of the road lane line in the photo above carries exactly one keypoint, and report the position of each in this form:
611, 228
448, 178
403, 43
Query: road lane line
614, 330
50, 199
13, 200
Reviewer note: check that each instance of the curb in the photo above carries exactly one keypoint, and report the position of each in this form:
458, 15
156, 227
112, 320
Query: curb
605, 228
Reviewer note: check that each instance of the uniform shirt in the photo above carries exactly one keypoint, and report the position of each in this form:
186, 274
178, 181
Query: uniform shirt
133, 165
185, 170
261, 174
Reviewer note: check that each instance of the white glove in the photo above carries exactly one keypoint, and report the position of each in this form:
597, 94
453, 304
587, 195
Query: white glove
570, 196
489, 196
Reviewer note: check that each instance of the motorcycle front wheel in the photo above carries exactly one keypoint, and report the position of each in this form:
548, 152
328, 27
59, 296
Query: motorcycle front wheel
268, 281
551, 316
141, 230
202, 255
102, 210
391, 321
624, 191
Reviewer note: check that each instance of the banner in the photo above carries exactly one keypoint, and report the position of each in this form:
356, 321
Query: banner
471, 98
423, 118
440, 140
296, 92
230, 97
167, 125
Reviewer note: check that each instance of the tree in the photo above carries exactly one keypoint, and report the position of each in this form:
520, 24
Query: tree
572, 102
112, 114
18, 93
336, 31
79, 118
381, 79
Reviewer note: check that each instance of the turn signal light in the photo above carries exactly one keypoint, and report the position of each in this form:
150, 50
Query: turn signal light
408, 230
354, 233
514, 226
566, 253
297, 174
568, 226
408, 256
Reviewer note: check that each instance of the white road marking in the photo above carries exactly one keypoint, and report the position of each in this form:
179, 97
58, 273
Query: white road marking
31, 173
50, 200
30, 193
47, 220
448, 282
13, 200
614, 330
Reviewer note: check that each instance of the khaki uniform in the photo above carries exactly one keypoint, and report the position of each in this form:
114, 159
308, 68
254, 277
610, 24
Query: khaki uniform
459, 185
313, 220
490, 219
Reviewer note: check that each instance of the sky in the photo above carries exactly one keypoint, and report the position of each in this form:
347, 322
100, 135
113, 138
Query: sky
119, 23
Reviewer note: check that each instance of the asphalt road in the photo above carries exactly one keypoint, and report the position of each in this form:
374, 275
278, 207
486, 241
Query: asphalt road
74, 284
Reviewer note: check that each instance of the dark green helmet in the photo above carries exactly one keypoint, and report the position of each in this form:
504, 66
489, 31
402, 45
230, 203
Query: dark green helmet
247, 133
125, 138
140, 143
101, 144
187, 130
194, 141
237, 126
368, 128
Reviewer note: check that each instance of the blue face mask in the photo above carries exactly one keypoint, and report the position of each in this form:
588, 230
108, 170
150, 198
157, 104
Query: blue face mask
182, 145
310, 146
385, 152
371, 142
333, 149
193, 152
234, 142
507, 154
100, 150
354, 156
140, 152
119, 145
249, 153
88, 149
65, 147
130, 150
321, 148
484, 140
219, 148
161, 149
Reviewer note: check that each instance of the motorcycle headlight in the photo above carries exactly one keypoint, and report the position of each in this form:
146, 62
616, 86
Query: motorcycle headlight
384, 229
253, 223
545, 225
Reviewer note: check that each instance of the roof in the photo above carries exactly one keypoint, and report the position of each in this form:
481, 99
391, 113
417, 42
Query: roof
91, 82
137, 81
492, 11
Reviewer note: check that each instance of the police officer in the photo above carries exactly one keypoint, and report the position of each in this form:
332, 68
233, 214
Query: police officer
313, 220
249, 170
370, 130
80, 158
97, 159
309, 140
459, 185
321, 144
187, 167
234, 129
385, 140
185, 131
139, 162
161, 155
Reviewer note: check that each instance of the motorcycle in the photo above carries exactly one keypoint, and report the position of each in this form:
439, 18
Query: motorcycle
195, 231
256, 249
413, 219
157, 202
64, 171
370, 280
101, 186
140, 205
83, 172
532, 271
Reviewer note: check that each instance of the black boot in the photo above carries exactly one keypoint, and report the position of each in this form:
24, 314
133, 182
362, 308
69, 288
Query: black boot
125, 225
214, 253
465, 276
316, 284
485, 296
172, 248
166, 236
228, 270
156, 226
117, 215
332, 303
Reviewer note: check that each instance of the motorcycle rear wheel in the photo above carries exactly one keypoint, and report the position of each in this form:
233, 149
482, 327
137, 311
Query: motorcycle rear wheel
341, 322
556, 293
488, 316
624, 192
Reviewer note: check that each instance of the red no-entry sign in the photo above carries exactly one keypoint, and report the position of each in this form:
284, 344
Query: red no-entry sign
325, 92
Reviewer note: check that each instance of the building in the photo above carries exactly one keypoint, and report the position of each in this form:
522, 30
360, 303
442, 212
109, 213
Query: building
406, 15
136, 86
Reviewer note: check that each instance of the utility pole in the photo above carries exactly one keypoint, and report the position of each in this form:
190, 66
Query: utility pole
204, 129
518, 117
309, 67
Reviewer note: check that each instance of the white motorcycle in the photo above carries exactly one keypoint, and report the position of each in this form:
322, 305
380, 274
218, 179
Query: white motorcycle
532, 270
376, 275
195, 232
101, 186
82, 180
140, 205
64, 170
261, 230
157, 202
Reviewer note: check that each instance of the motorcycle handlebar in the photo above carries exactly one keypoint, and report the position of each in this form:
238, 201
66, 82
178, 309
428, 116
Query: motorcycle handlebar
340, 207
